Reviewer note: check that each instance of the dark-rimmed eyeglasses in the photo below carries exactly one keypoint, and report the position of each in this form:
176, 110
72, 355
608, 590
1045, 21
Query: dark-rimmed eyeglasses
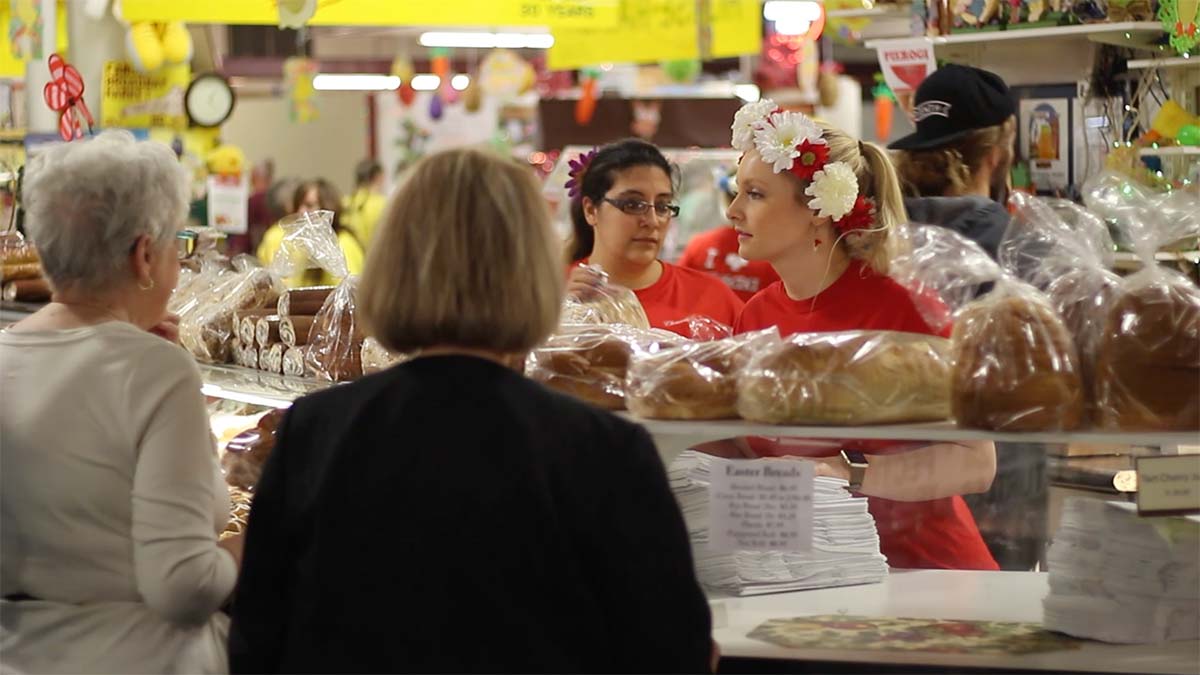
638, 207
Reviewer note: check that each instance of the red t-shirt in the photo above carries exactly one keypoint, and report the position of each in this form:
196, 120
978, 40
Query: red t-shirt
680, 293
938, 534
716, 252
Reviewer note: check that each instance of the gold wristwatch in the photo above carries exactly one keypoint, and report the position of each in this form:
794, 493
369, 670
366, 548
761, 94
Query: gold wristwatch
856, 463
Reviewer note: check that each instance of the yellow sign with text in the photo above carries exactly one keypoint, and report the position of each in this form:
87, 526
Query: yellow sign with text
133, 100
735, 27
567, 13
648, 31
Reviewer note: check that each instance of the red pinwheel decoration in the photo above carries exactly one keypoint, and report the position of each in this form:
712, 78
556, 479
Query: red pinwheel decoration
64, 95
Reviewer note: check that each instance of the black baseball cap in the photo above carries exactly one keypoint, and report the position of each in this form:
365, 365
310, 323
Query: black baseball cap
954, 101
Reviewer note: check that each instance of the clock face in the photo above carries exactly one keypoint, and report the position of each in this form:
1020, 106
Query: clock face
209, 100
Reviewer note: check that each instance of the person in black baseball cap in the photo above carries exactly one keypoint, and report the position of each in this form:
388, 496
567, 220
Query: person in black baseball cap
954, 168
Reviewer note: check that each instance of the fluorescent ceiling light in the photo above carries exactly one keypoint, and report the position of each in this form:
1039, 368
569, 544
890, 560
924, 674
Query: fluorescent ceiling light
791, 26
792, 10
747, 92
426, 82
340, 82
460, 82
482, 40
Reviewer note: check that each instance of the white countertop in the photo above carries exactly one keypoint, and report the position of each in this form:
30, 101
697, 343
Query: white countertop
937, 594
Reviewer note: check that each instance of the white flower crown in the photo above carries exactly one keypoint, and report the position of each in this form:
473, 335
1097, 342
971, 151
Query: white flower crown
790, 141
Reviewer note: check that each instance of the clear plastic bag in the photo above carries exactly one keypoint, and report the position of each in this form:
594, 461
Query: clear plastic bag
1015, 364
854, 377
693, 381
207, 332
1065, 251
247, 453
309, 241
614, 304
1148, 359
334, 350
376, 359
699, 327
591, 362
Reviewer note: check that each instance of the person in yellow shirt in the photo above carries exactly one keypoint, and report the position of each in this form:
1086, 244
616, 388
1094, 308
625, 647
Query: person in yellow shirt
316, 195
364, 208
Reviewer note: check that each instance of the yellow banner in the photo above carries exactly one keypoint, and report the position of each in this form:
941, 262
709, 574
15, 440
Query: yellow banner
736, 27
648, 31
133, 100
572, 13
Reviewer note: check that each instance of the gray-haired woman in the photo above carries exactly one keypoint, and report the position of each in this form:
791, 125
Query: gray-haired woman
111, 494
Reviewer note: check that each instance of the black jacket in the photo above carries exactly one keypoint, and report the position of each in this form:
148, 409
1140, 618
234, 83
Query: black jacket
449, 515
977, 218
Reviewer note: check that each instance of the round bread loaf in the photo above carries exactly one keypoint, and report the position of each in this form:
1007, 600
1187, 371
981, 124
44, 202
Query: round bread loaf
590, 362
1015, 366
1083, 298
696, 381
1148, 365
860, 377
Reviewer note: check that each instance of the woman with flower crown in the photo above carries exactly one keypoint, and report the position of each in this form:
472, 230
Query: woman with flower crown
622, 202
820, 206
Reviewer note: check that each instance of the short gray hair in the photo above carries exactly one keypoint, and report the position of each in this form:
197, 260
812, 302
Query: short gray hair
88, 201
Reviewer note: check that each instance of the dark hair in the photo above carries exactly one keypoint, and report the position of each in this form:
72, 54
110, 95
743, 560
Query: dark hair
327, 196
599, 179
366, 171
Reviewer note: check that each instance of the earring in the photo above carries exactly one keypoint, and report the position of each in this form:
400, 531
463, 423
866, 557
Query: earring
816, 244
146, 288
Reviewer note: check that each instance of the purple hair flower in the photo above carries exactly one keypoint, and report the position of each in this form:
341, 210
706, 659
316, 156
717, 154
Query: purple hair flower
578, 168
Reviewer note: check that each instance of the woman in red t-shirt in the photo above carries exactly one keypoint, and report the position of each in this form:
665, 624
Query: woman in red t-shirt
819, 207
623, 199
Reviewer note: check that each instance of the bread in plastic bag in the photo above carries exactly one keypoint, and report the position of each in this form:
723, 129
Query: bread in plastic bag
848, 378
208, 332
1065, 251
309, 241
1015, 365
1148, 359
334, 350
376, 358
247, 453
591, 362
613, 304
692, 381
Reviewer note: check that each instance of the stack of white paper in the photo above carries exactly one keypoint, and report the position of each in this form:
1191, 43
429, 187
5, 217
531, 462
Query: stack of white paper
845, 547
1120, 578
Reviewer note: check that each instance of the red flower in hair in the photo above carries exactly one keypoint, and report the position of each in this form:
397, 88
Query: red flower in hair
861, 217
812, 158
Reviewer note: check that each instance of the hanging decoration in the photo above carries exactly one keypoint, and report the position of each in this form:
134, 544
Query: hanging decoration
586, 107
884, 109
298, 74
503, 74
682, 71
472, 96
1179, 19
436, 108
406, 94
64, 94
402, 67
647, 115
440, 64
295, 13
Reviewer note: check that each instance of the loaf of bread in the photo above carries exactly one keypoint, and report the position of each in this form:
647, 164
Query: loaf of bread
693, 381
1015, 365
335, 346
27, 290
591, 362
246, 454
1148, 361
613, 304
18, 271
1083, 299
16, 250
857, 377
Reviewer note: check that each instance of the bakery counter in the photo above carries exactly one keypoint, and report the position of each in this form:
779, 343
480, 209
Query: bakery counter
256, 387
944, 595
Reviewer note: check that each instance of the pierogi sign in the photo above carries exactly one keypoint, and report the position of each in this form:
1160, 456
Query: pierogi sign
906, 63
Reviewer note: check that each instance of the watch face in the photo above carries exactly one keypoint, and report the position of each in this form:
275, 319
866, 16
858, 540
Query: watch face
209, 101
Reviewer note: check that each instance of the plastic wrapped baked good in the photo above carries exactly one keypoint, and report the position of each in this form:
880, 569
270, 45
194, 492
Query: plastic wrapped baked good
15, 250
613, 304
1148, 359
1015, 367
294, 363
207, 332
1066, 251
335, 345
27, 290
305, 301
692, 381
855, 377
375, 358
942, 271
699, 327
246, 454
308, 241
590, 362
240, 502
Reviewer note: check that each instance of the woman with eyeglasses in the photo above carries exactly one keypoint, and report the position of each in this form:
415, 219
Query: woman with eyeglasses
623, 200
112, 496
